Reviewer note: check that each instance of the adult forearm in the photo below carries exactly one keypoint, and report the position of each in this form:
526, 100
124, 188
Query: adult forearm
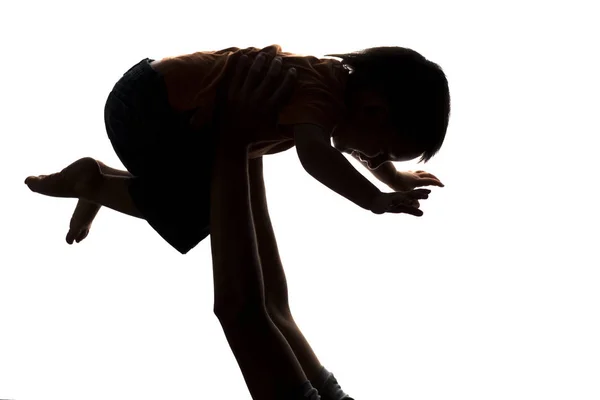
276, 292
267, 361
236, 265
332, 169
260, 211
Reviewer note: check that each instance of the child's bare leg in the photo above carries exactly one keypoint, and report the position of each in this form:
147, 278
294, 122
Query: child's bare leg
113, 192
95, 184
106, 170
86, 211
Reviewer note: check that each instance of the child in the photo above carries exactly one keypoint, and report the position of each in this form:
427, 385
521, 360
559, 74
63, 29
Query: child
380, 105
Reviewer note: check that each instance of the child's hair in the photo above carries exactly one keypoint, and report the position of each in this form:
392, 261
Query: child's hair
415, 88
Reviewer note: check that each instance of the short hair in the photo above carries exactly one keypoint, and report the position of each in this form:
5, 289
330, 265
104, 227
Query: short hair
415, 88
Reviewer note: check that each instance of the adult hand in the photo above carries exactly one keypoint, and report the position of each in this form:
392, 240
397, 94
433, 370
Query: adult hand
254, 97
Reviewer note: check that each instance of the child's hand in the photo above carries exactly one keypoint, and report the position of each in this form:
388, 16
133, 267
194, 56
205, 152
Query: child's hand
400, 202
409, 180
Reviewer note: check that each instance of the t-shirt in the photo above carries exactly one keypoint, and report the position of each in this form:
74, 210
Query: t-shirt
193, 80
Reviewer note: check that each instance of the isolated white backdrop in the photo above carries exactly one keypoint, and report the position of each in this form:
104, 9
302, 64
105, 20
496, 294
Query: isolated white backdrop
492, 294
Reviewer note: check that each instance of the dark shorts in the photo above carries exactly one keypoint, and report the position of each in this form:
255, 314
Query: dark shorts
171, 163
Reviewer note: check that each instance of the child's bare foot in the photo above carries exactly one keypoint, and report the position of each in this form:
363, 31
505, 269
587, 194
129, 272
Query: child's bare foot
81, 221
76, 180
81, 177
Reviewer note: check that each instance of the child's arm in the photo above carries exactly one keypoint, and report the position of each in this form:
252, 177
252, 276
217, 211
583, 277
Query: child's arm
386, 173
402, 180
331, 168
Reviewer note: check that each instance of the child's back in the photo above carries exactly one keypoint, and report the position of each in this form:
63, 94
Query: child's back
193, 82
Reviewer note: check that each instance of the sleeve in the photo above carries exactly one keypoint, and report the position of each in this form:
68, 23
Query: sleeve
310, 105
318, 98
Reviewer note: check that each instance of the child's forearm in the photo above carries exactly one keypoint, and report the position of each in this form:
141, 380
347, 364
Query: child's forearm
386, 172
332, 169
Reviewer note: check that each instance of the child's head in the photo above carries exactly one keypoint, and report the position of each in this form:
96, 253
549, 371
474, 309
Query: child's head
398, 106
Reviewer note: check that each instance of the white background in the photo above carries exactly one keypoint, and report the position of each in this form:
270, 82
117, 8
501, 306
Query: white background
492, 294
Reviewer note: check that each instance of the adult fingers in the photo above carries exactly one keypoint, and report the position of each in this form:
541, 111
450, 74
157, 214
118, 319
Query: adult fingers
285, 90
266, 87
254, 74
270, 53
238, 78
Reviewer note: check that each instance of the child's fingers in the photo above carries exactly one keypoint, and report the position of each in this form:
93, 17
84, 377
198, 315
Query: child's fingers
412, 204
419, 193
424, 174
429, 182
427, 175
404, 209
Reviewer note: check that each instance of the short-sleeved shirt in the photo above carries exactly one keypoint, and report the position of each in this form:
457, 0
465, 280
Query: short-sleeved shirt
193, 80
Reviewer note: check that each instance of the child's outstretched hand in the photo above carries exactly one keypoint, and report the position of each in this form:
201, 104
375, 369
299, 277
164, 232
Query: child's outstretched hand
400, 202
409, 180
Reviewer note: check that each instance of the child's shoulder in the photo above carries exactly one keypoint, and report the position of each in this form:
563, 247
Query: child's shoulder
319, 96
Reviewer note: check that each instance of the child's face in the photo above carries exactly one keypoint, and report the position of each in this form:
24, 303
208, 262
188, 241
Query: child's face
367, 133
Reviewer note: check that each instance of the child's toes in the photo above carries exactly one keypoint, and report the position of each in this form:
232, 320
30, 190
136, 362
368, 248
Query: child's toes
32, 178
77, 235
34, 181
72, 235
50, 185
82, 235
